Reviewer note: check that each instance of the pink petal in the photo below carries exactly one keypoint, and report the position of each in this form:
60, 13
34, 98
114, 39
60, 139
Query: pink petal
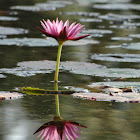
46, 33
71, 26
45, 133
55, 28
73, 30
56, 135
68, 133
60, 27
51, 26
48, 133
48, 26
41, 132
77, 38
73, 131
43, 25
66, 25
79, 29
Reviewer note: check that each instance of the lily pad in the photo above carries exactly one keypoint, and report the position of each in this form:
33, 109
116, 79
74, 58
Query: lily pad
134, 35
23, 72
2, 76
30, 42
12, 31
38, 42
124, 97
118, 17
122, 38
97, 31
81, 42
117, 6
6, 18
135, 86
90, 20
48, 6
76, 13
117, 57
6, 95
133, 46
30, 68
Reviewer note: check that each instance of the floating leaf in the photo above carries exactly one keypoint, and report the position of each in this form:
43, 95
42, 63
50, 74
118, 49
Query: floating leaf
135, 86
122, 38
123, 97
12, 31
90, 20
31, 68
6, 95
76, 13
6, 18
117, 57
48, 6
117, 6
48, 42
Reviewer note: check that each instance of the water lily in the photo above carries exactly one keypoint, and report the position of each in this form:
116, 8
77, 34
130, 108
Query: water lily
59, 129
61, 32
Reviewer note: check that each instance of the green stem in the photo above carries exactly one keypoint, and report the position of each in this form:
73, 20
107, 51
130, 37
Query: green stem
57, 105
58, 62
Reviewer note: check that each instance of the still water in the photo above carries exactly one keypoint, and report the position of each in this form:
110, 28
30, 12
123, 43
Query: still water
113, 45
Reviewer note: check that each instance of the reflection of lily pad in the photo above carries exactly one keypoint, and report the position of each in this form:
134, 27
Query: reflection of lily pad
37, 91
124, 97
4, 95
12, 31
117, 57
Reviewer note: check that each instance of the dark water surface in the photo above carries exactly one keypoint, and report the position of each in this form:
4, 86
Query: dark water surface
114, 43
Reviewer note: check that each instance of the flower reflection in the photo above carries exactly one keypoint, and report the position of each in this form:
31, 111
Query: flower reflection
59, 129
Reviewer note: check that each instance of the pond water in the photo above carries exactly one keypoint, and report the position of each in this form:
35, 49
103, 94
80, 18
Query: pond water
110, 53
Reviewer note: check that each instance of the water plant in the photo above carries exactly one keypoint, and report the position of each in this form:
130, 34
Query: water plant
61, 32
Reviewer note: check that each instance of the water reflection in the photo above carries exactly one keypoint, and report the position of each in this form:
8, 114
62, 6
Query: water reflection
59, 128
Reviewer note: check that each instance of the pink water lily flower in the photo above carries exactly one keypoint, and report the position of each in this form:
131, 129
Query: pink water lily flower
62, 32
59, 130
